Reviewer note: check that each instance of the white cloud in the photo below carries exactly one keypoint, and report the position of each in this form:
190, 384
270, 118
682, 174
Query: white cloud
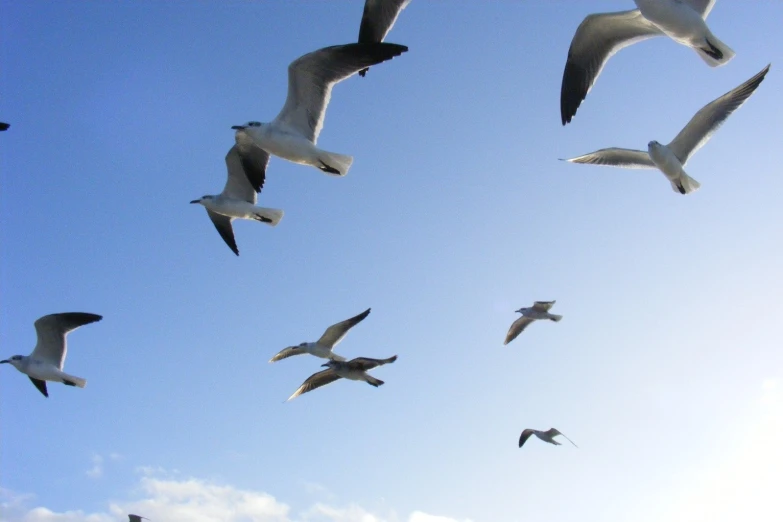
162, 497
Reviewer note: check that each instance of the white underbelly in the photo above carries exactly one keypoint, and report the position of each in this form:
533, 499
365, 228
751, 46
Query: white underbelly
292, 147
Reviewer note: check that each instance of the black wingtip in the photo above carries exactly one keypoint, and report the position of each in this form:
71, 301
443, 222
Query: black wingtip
4, 126
363, 72
573, 91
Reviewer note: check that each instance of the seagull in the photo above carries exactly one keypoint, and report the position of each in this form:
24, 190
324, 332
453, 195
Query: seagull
4, 126
601, 35
136, 518
355, 370
238, 199
46, 361
323, 347
292, 135
670, 159
547, 436
377, 20
539, 310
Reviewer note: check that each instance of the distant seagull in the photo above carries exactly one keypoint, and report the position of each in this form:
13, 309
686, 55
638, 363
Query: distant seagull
539, 310
547, 436
323, 347
238, 199
599, 36
292, 135
377, 20
355, 370
136, 518
4, 126
670, 159
46, 361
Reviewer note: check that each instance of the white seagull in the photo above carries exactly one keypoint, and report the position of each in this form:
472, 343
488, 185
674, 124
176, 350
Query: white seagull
599, 36
539, 310
47, 360
292, 135
547, 436
377, 20
670, 159
238, 199
355, 370
323, 347
136, 518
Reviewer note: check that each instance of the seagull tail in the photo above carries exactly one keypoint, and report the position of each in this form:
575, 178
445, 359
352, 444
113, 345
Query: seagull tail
270, 216
335, 164
554, 317
714, 52
685, 185
373, 381
70, 380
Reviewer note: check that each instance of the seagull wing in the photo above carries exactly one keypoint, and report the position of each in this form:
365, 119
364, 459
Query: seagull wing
238, 183
316, 380
285, 353
4, 126
377, 20
597, 38
709, 119
41, 385
311, 77
335, 333
525, 435
552, 432
543, 306
253, 160
223, 225
52, 330
517, 327
366, 363
703, 7
616, 157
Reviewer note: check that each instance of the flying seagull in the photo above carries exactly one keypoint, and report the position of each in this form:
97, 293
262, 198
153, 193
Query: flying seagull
292, 135
323, 347
670, 159
599, 36
46, 361
4, 126
547, 436
377, 20
355, 370
238, 199
136, 518
539, 310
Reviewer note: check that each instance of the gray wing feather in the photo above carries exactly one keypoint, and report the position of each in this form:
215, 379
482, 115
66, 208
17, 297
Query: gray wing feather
597, 38
223, 226
316, 380
311, 77
543, 306
710, 118
517, 327
238, 183
52, 330
616, 157
366, 363
253, 160
335, 333
526, 433
378, 18
285, 353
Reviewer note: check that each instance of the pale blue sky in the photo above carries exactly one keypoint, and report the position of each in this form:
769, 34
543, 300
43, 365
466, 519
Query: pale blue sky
455, 213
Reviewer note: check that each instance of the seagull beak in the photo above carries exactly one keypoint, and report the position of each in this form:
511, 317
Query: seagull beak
196, 201
325, 364
238, 127
5, 361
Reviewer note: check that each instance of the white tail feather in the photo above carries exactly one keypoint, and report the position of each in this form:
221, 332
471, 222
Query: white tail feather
340, 162
275, 215
556, 318
727, 52
78, 381
688, 183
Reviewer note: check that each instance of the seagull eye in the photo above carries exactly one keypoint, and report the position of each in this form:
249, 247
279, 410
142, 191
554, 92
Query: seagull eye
254, 124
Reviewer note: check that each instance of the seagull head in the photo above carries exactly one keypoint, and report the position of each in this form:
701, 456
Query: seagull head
250, 124
331, 363
14, 361
521, 310
653, 145
202, 199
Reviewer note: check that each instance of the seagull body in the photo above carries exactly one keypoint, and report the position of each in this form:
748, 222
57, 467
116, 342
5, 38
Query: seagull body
600, 36
671, 159
293, 134
378, 18
323, 347
46, 361
354, 370
537, 312
547, 436
237, 201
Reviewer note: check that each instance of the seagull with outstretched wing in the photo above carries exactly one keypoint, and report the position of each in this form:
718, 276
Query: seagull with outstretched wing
324, 346
354, 370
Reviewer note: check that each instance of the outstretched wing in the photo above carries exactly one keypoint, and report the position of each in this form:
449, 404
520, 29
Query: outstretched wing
238, 182
517, 327
41, 385
552, 432
543, 306
286, 353
52, 330
311, 77
377, 20
616, 157
709, 119
335, 333
223, 226
253, 160
366, 363
526, 433
316, 380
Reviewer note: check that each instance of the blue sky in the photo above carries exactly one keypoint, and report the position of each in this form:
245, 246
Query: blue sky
666, 370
